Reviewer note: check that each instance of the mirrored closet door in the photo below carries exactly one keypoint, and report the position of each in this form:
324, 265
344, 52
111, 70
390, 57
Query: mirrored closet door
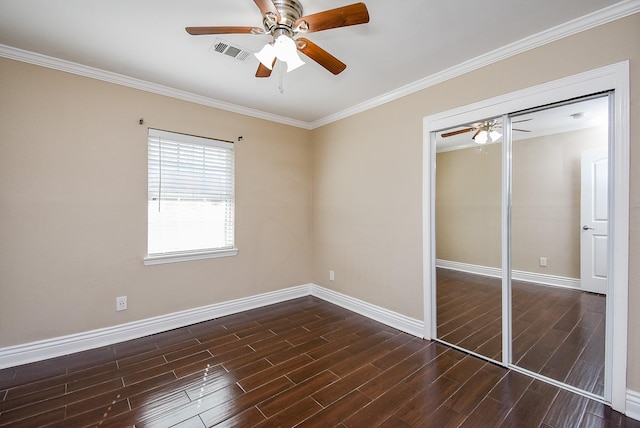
559, 213
521, 222
468, 237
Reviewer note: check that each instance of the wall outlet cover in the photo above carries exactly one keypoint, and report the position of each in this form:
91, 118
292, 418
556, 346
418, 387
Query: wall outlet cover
121, 303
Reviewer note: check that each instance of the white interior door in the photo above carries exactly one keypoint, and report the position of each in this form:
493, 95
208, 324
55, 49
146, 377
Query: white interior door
594, 219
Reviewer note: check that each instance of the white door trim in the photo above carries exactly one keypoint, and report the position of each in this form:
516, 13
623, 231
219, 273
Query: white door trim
614, 77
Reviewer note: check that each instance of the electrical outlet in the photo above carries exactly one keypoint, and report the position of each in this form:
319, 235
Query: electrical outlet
121, 303
543, 261
332, 275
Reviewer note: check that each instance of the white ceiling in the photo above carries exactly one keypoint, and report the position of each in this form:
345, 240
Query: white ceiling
405, 42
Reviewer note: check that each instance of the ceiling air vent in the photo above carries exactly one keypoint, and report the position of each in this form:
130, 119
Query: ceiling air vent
231, 50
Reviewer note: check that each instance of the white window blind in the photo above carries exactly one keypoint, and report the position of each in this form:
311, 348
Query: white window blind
190, 194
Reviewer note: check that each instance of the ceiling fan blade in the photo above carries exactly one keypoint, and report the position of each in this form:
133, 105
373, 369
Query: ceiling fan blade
199, 31
263, 71
521, 130
520, 121
266, 7
353, 14
459, 131
320, 56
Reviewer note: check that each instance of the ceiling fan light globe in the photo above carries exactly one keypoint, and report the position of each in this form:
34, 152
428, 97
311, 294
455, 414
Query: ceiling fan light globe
494, 136
266, 55
481, 137
294, 63
286, 50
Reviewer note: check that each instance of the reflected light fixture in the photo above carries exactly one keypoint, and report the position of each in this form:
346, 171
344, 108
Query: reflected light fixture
486, 133
282, 48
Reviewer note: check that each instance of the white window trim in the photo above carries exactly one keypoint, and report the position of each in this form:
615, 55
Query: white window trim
158, 259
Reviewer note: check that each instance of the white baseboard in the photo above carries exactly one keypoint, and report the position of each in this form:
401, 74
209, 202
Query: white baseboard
392, 319
58, 346
633, 404
518, 275
469, 268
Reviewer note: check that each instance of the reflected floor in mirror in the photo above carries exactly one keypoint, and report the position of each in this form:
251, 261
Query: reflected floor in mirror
302, 363
557, 332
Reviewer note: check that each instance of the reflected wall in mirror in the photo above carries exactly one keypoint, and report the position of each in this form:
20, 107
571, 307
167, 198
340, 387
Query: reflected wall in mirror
558, 322
468, 237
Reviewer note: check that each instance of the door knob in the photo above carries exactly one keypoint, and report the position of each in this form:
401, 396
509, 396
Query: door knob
585, 227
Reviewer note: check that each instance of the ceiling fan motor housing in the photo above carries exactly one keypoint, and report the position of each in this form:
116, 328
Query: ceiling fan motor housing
290, 11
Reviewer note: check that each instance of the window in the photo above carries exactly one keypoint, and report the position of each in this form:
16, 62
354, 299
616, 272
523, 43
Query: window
190, 197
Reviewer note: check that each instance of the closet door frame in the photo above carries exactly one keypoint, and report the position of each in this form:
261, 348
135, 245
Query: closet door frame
610, 78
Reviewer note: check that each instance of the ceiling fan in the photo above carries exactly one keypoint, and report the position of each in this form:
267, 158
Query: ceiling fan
283, 20
486, 131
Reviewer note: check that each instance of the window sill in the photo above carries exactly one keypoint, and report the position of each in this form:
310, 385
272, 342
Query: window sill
158, 259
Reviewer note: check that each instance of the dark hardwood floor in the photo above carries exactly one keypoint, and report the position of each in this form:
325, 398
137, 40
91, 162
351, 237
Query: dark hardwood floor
557, 332
301, 363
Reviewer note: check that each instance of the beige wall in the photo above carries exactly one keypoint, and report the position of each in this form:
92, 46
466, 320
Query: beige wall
545, 199
73, 177
73, 183
545, 219
367, 212
469, 206
367, 208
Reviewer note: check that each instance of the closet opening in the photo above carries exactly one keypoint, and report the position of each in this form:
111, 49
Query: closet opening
526, 215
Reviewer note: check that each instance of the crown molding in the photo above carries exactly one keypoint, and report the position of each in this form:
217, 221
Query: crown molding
131, 82
603, 16
592, 20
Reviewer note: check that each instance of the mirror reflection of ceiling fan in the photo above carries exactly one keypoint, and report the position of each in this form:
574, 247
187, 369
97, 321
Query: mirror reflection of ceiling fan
283, 20
485, 131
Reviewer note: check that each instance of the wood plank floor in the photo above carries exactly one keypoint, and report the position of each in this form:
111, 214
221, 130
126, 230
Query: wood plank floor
303, 363
557, 332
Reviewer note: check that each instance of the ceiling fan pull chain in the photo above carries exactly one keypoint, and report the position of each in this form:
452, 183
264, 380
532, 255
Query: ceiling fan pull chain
281, 74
